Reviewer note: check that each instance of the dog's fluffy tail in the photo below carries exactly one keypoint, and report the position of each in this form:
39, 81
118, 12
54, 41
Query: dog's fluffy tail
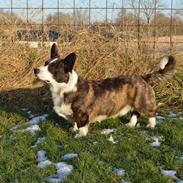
166, 71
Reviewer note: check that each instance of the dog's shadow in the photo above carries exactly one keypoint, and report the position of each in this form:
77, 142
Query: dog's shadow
37, 100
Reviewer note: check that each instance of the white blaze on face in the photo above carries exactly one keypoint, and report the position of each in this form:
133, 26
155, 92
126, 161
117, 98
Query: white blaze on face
44, 74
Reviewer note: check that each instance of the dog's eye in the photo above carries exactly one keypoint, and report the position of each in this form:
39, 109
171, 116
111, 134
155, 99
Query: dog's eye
46, 63
47, 81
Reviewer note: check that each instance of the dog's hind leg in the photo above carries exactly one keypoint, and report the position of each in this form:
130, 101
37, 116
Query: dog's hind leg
82, 131
133, 120
152, 122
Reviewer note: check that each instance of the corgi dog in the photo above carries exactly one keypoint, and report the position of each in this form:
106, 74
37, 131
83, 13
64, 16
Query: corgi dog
86, 101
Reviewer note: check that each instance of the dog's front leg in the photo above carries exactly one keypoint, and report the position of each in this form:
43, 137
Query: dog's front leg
58, 111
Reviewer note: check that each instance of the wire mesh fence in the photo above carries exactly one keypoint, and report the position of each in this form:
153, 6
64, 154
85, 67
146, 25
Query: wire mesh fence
156, 22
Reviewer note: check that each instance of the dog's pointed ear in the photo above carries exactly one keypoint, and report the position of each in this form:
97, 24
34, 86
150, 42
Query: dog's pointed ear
54, 51
69, 62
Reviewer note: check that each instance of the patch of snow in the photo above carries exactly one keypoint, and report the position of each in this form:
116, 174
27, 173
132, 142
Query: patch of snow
15, 127
32, 129
111, 139
24, 109
12, 138
172, 114
107, 131
63, 170
159, 119
53, 179
144, 132
41, 155
156, 142
78, 136
178, 118
31, 116
120, 172
170, 173
124, 181
39, 141
36, 120
179, 181
69, 156
29, 112
44, 164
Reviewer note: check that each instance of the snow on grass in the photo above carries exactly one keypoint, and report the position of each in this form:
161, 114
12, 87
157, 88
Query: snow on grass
175, 116
32, 129
172, 114
44, 164
107, 131
69, 156
12, 138
34, 124
160, 119
36, 120
63, 170
24, 109
156, 142
30, 114
15, 127
111, 139
118, 171
43, 161
169, 173
179, 181
124, 181
39, 141
41, 155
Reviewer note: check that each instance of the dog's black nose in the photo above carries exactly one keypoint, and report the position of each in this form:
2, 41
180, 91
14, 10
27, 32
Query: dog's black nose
36, 71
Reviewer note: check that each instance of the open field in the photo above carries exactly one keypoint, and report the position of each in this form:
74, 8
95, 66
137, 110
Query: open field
122, 154
135, 155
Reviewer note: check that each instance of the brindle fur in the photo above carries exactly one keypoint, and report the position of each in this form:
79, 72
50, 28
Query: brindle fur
108, 97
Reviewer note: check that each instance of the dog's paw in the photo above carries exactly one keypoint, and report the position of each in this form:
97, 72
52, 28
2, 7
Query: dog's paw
73, 129
130, 125
150, 126
78, 136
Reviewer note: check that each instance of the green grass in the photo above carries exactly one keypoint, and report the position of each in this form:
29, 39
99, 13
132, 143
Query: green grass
97, 156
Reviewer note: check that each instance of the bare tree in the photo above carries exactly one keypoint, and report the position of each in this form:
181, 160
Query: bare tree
145, 8
61, 18
80, 16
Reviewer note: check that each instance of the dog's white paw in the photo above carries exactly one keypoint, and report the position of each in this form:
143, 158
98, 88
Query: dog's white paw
82, 132
150, 126
130, 125
152, 123
77, 136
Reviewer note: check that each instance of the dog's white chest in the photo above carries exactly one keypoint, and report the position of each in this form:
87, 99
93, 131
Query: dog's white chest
62, 109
